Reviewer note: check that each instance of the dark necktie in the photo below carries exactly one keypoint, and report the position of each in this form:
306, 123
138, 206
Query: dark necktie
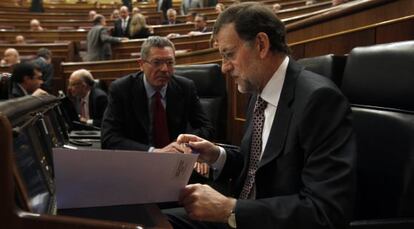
255, 148
160, 126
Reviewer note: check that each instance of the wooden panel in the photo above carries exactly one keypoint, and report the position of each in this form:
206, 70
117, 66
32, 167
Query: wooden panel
401, 31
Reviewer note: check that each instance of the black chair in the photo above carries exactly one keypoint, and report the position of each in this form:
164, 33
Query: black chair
211, 88
379, 82
4, 85
331, 66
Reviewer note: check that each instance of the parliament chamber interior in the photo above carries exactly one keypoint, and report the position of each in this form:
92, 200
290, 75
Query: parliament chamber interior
365, 47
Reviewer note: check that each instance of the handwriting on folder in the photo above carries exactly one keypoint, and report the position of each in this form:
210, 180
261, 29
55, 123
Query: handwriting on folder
93, 178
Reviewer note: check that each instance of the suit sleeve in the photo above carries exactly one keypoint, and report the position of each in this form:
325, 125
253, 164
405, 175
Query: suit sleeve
199, 122
101, 103
105, 37
113, 136
326, 140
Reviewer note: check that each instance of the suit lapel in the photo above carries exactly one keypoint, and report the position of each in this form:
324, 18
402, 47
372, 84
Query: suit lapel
91, 105
140, 101
281, 122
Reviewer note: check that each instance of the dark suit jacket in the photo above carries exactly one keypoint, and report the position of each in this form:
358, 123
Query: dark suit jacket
47, 73
117, 32
305, 177
15, 91
99, 44
126, 121
98, 100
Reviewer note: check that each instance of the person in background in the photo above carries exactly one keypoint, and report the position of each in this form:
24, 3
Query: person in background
26, 79
186, 5
138, 27
99, 41
163, 6
135, 10
220, 8
310, 2
121, 26
44, 62
200, 25
90, 101
276, 7
36, 6
296, 163
11, 57
171, 17
35, 25
91, 15
115, 15
20, 40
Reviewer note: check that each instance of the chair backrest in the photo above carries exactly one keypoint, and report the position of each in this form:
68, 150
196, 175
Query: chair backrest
330, 66
211, 88
4, 85
379, 81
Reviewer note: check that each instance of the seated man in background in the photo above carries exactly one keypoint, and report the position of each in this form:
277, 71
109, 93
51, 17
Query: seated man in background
26, 79
171, 17
20, 39
147, 110
11, 57
35, 25
90, 101
200, 25
44, 62
121, 25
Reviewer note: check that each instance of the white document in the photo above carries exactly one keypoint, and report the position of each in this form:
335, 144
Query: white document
93, 178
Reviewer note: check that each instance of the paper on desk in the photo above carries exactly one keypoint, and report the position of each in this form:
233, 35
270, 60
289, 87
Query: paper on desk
92, 178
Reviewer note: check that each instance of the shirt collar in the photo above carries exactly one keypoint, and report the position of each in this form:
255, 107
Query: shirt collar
273, 88
86, 98
22, 88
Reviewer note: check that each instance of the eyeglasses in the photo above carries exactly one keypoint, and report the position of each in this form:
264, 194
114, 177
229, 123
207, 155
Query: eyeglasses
156, 63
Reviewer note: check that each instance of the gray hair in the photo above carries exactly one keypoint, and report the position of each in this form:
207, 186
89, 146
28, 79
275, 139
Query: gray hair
85, 76
154, 42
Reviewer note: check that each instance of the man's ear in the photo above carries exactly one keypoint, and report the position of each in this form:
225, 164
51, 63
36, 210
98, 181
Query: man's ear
140, 62
263, 44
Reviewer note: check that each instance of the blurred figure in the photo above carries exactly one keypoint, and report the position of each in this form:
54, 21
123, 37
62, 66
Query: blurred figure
91, 15
189, 18
44, 62
115, 14
99, 41
35, 25
11, 57
338, 2
90, 101
36, 6
135, 10
26, 80
164, 5
276, 7
171, 17
20, 39
138, 28
220, 7
186, 5
200, 25
310, 2
121, 26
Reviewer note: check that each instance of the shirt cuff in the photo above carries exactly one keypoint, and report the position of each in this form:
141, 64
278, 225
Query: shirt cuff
151, 148
89, 121
218, 165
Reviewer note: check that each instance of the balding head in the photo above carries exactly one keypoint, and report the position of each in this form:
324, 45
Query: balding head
35, 25
124, 12
80, 83
11, 56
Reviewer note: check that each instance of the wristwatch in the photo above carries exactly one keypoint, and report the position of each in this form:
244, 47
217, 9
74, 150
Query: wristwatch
231, 221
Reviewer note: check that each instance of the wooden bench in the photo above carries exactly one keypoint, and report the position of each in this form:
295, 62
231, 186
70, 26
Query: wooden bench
125, 49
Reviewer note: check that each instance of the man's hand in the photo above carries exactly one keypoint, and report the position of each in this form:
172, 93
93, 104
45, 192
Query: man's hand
39, 92
173, 147
202, 168
208, 152
201, 202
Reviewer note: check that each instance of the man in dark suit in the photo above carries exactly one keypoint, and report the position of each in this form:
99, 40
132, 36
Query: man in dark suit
121, 25
295, 165
164, 5
90, 102
171, 18
26, 79
147, 110
99, 41
44, 62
